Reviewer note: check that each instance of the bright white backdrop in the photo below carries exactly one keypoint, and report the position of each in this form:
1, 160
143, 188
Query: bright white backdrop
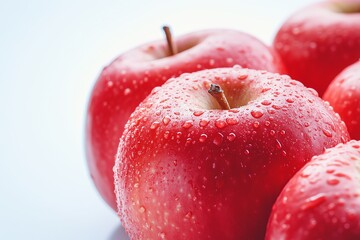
50, 55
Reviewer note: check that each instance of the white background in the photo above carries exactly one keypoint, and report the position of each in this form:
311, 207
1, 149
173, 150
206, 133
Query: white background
51, 52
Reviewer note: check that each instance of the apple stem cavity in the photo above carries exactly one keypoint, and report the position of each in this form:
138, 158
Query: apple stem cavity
170, 42
216, 91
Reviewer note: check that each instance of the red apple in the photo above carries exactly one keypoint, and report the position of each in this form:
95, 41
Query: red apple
344, 95
130, 78
319, 41
188, 169
322, 201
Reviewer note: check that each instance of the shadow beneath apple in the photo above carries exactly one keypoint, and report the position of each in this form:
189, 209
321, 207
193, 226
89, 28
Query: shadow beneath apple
119, 234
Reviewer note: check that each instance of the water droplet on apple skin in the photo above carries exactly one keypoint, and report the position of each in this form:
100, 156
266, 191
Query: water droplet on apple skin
203, 138
218, 139
188, 124
231, 137
220, 123
257, 113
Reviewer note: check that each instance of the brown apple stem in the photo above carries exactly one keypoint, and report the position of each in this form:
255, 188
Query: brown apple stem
170, 42
216, 91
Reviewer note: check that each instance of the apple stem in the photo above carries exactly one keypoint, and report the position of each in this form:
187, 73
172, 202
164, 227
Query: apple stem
170, 42
216, 91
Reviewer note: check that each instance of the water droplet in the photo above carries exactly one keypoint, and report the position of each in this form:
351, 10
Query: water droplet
277, 107
232, 121
333, 181
272, 132
162, 235
166, 134
278, 144
246, 152
266, 102
187, 124
327, 133
203, 137
127, 91
142, 209
188, 215
175, 163
314, 201
211, 62
198, 113
265, 90
231, 137
290, 100
234, 110
306, 124
342, 175
110, 83
256, 124
257, 113
267, 123
166, 120
218, 139
203, 122
220, 123
154, 125
178, 135
243, 77
136, 185
282, 132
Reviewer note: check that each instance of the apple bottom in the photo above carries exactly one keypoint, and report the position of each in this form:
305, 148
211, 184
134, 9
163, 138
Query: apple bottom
215, 198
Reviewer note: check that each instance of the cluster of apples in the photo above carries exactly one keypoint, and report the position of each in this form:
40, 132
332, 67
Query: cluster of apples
217, 143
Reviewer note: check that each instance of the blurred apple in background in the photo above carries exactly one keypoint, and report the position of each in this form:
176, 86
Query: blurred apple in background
319, 41
322, 201
129, 79
194, 166
343, 94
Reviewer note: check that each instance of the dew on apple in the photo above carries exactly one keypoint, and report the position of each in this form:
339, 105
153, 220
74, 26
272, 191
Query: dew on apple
333, 181
203, 137
220, 123
155, 125
166, 120
327, 132
231, 137
256, 124
266, 102
198, 113
218, 139
187, 124
203, 122
166, 134
127, 91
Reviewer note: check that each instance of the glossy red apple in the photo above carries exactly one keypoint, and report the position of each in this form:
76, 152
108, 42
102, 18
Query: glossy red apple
318, 42
188, 169
322, 201
344, 95
129, 79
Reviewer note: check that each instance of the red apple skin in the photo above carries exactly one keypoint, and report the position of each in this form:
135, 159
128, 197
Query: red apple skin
186, 169
322, 201
319, 41
130, 78
344, 95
